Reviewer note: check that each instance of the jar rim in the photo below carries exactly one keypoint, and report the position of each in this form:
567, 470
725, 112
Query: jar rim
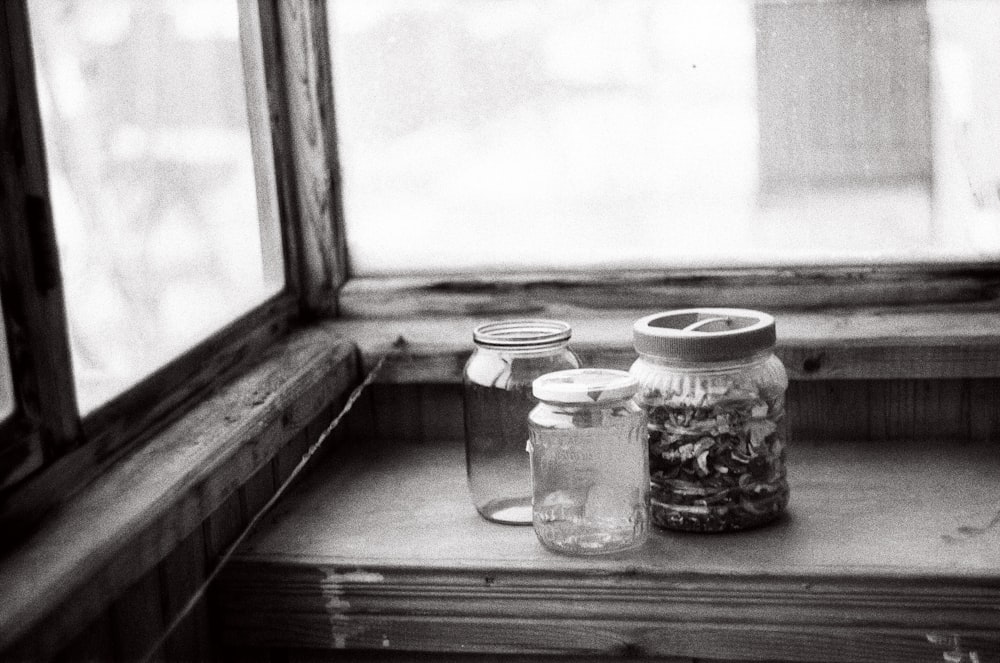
525, 333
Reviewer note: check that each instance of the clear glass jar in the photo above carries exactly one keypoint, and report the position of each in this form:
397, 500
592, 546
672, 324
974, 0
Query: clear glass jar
589, 469
714, 393
496, 389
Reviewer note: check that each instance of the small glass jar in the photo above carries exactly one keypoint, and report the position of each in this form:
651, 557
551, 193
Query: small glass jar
714, 393
589, 469
496, 390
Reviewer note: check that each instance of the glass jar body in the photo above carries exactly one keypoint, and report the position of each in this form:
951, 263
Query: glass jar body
590, 476
717, 437
496, 390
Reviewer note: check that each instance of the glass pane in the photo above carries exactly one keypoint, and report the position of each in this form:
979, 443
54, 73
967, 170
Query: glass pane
6, 383
539, 134
161, 236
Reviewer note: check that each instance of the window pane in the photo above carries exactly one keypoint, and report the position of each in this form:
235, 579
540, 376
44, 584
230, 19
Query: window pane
539, 134
6, 384
162, 240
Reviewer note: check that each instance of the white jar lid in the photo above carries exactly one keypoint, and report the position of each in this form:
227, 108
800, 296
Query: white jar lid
584, 385
704, 334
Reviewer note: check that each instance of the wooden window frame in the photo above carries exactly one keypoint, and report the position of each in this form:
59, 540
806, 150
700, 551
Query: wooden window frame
47, 450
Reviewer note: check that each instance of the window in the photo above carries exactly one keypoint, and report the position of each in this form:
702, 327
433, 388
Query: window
164, 234
525, 134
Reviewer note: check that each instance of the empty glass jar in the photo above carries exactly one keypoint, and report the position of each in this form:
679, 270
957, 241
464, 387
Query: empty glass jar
509, 355
589, 465
714, 393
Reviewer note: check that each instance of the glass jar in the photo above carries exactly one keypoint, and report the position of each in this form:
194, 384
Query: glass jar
714, 393
589, 469
496, 390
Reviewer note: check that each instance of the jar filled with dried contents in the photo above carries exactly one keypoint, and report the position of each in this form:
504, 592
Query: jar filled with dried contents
714, 393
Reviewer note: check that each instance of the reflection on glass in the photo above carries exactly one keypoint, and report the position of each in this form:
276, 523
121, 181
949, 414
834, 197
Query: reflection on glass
151, 171
6, 384
521, 134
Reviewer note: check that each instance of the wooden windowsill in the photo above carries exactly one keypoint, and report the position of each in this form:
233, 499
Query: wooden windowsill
880, 343
126, 521
885, 551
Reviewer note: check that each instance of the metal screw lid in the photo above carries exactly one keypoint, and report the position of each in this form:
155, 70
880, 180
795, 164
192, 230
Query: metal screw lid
704, 334
522, 334
584, 385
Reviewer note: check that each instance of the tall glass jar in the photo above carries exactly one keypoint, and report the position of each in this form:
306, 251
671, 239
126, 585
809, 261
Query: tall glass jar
589, 470
714, 393
496, 391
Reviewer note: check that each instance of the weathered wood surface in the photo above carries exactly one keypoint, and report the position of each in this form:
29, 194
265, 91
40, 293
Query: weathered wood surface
46, 423
834, 345
550, 294
882, 546
123, 525
305, 79
114, 429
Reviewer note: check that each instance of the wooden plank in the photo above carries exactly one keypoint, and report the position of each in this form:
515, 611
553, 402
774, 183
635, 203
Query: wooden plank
860, 344
883, 545
94, 644
30, 280
441, 412
370, 656
137, 618
143, 411
150, 501
397, 413
181, 574
782, 289
303, 78
255, 493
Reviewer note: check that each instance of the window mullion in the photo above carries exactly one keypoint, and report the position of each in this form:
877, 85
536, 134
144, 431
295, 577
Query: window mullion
46, 422
299, 76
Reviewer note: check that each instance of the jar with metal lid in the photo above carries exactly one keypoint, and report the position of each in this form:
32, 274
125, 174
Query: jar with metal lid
589, 469
714, 393
496, 390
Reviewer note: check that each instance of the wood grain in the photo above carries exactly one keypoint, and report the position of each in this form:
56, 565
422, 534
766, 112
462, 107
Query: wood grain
146, 409
557, 294
154, 499
303, 75
834, 345
46, 422
882, 546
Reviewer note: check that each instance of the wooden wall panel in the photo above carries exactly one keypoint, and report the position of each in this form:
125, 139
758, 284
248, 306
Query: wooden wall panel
135, 621
835, 410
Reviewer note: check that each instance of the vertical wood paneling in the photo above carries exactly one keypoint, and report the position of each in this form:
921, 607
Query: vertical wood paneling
441, 412
818, 410
256, 492
137, 618
397, 412
95, 644
181, 573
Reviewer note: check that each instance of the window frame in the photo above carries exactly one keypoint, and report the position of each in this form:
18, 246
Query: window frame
47, 449
56, 451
